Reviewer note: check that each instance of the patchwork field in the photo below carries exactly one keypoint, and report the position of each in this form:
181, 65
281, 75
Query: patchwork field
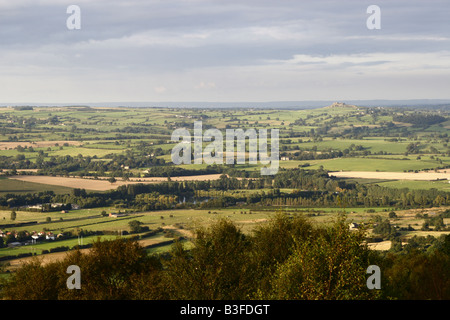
63, 148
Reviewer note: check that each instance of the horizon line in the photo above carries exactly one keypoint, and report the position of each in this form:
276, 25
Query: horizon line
227, 102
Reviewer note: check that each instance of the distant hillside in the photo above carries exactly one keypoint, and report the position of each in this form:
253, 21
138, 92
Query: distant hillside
305, 104
343, 105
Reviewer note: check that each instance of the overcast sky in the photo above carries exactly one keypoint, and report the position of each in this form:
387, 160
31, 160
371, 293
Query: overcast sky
211, 50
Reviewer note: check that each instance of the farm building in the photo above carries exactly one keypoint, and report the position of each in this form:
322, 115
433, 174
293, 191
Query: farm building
50, 236
353, 226
115, 215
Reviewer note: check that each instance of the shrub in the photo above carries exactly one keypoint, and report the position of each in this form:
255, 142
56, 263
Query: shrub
59, 249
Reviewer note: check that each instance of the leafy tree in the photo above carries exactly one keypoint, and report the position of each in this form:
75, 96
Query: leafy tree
10, 238
135, 226
32, 281
384, 228
331, 264
274, 242
111, 269
23, 236
437, 222
216, 268
416, 276
446, 245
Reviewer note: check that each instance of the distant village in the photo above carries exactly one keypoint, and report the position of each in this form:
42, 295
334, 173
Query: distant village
11, 238
15, 239
51, 207
35, 236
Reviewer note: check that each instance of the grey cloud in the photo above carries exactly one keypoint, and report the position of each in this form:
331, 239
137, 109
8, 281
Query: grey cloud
151, 38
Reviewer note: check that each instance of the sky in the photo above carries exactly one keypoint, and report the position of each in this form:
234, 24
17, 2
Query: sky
223, 50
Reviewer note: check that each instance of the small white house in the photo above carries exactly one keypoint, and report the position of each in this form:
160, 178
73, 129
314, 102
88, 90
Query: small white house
50, 236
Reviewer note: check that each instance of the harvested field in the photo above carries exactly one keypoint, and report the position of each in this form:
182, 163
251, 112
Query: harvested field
45, 259
430, 211
184, 232
184, 178
383, 245
5, 145
425, 176
102, 184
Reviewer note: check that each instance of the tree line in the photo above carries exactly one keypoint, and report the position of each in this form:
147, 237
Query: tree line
419, 118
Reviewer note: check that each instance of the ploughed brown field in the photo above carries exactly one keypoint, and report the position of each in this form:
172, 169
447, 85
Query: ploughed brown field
102, 184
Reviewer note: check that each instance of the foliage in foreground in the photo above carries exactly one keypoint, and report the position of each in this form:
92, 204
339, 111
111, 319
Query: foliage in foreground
286, 258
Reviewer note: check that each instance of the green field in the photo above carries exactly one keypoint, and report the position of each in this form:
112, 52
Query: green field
23, 187
417, 185
362, 164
